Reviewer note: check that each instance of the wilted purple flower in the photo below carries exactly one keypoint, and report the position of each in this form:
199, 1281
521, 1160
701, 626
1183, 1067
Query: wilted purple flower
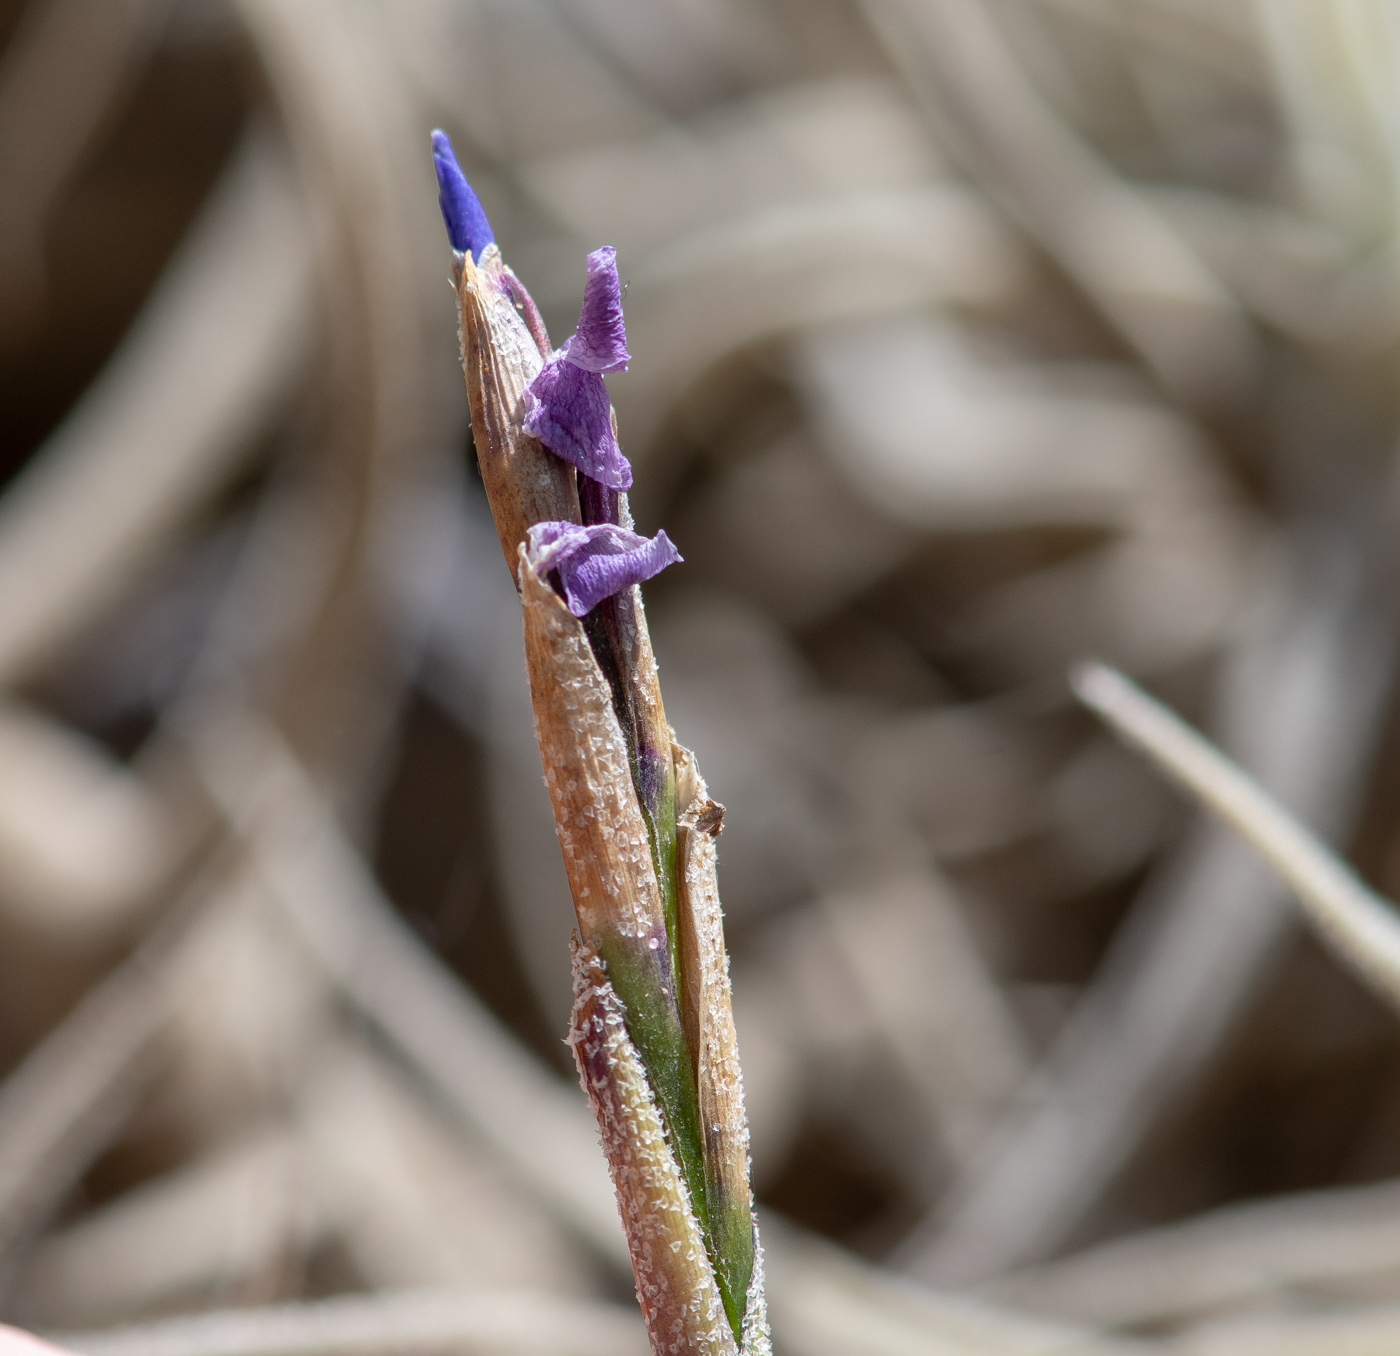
568, 406
600, 342
599, 561
467, 226
570, 413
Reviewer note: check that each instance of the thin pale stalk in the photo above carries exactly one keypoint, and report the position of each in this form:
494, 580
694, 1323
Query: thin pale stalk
1358, 924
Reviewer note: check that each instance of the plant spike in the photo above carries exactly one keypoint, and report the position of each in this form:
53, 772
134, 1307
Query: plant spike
653, 1027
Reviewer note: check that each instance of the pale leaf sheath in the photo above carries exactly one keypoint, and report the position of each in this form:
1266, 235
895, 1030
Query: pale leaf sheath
608, 854
708, 1015
624, 625
675, 1285
525, 483
604, 839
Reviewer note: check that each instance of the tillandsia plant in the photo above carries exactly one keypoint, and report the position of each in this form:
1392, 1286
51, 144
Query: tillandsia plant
652, 1028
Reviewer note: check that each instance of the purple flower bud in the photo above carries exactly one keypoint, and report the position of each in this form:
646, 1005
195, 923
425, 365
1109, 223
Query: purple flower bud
568, 410
467, 227
597, 562
567, 406
600, 342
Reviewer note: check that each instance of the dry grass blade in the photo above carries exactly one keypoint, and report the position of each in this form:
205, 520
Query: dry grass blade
410, 1198
409, 1324
756, 278
340, 916
1356, 922
83, 841
228, 325
61, 77
69, 1096
1129, 260
1366, 1331
1178, 976
827, 1304
154, 1249
959, 1048
1326, 1245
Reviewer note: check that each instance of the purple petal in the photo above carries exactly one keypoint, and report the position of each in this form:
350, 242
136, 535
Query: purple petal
597, 562
569, 412
600, 343
549, 541
595, 577
467, 227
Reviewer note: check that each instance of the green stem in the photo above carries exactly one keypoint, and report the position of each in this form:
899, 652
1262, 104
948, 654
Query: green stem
654, 1023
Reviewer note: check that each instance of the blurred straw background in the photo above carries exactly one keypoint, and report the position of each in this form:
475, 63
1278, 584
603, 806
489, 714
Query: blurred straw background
972, 337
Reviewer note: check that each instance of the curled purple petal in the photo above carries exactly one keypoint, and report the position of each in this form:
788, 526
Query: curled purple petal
569, 412
600, 342
599, 561
467, 227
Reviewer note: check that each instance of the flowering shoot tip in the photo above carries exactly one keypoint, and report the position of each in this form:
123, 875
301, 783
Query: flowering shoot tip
462, 213
653, 1030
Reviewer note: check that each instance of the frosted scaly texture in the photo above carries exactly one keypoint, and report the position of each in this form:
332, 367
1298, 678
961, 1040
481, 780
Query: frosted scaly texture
675, 1286
607, 852
757, 1337
709, 1021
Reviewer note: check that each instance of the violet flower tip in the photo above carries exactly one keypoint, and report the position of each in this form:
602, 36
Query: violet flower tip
600, 342
468, 229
